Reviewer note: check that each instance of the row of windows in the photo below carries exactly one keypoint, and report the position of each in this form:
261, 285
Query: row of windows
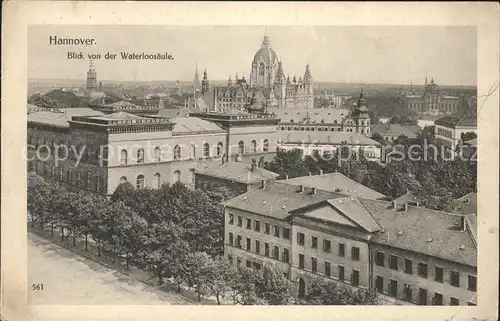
422, 270
444, 132
176, 177
256, 227
407, 294
273, 252
327, 246
327, 270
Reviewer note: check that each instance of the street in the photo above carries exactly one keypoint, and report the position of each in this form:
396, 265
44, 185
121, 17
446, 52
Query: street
67, 278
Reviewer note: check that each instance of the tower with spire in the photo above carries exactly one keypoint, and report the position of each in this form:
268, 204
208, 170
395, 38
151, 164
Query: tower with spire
196, 81
205, 85
361, 116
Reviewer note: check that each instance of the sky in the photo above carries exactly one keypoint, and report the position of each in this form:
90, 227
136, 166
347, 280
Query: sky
357, 54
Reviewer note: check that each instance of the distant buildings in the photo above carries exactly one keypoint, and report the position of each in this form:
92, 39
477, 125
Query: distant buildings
323, 120
432, 101
93, 93
449, 130
409, 254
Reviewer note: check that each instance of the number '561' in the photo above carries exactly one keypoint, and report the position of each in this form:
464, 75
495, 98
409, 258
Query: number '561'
37, 287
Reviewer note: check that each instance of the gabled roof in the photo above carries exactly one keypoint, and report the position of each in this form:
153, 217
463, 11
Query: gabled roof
235, 171
336, 182
277, 199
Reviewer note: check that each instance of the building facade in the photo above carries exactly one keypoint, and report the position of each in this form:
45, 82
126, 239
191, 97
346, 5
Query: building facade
448, 131
356, 120
267, 87
105, 150
362, 243
432, 101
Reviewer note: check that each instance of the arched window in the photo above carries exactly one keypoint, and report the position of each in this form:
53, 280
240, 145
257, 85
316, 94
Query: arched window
123, 179
157, 181
140, 156
176, 177
219, 148
320, 129
123, 157
289, 128
266, 146
177, 152
140, 181
253, 147
158, 154
362, 131
312, 129
241, 147
206, 150
192, 152
282, 128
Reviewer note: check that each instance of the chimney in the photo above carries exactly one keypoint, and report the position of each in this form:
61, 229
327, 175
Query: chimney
406, 207
394, 205
223, 158
314, 190
310, 174
301, 189
254, 165
252, 168
263, 184
320, 172
463, 224
286, 176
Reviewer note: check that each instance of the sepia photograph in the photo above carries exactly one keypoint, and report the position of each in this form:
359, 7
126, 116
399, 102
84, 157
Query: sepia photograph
272, 173
254, 164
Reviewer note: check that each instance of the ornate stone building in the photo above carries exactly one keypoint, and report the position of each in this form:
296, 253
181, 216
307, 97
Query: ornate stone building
93, 92
431, 101
267, 87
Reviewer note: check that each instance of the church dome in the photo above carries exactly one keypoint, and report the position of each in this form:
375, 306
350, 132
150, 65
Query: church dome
432, 88
265, 53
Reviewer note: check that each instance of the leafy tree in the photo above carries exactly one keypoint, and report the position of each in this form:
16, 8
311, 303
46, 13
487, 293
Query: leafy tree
220, 284
288, 162
243, 287
124, 192
200, 271
323, 292
273, 287
378, 138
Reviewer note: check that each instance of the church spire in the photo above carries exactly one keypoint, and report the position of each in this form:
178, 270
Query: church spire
307, 75
196, 80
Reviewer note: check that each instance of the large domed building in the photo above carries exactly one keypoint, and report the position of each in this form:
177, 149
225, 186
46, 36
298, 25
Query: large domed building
268, 87
432, 101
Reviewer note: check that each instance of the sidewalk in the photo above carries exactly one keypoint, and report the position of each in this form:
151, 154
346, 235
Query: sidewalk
145, 277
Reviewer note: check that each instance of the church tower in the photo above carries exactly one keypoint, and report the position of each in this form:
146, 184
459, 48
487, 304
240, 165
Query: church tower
196, 81
205, 85
92, 78
308, 88
361, 116
280, 86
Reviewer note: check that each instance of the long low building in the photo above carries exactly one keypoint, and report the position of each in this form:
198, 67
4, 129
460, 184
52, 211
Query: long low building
323, 142
409, 254
105, 150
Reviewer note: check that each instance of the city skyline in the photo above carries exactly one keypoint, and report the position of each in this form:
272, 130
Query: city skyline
447, 54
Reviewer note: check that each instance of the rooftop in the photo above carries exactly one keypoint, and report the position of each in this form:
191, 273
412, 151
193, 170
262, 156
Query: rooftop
416, 229
336, 182
423, 231
467, 204
324, 137
185, 125
277, 199
453, 121
396, 130
235, 171
61, 118
313, 116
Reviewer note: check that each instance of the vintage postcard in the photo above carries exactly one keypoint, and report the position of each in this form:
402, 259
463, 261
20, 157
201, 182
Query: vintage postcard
211, 156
